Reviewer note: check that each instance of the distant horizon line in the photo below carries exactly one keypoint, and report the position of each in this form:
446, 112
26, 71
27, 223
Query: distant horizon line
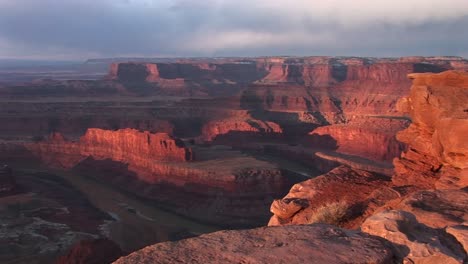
215, 57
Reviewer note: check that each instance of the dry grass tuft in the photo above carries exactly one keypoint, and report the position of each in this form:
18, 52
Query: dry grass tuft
330, 213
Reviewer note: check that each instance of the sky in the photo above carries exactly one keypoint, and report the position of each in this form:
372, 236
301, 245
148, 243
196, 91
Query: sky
82, 29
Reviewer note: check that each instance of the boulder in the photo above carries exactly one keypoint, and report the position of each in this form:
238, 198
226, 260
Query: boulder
413, 241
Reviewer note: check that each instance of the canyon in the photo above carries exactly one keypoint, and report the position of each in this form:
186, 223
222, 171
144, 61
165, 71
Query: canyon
224, 143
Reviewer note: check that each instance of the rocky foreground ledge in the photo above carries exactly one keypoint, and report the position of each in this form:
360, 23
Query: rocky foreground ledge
317, 243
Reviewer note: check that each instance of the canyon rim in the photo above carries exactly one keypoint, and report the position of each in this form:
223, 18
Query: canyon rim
222, 131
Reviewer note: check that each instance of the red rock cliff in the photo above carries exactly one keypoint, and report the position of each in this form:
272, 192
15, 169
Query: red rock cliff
134, 72
124, 145
437, 138
224, 187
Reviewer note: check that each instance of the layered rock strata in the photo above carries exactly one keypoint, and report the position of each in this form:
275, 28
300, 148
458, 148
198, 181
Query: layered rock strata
219, 186
437, 156
425, 225
130, 146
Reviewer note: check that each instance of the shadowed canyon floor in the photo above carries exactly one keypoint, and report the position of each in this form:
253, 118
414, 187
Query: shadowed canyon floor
164, 150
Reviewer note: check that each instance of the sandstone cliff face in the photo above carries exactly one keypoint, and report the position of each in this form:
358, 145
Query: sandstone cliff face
125, 145
308, 71
372, 138
139, 149
243, 128
292, 244
239, 72
134, 72
437, 154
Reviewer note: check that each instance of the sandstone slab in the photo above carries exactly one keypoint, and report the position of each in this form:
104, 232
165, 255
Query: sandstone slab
287, 244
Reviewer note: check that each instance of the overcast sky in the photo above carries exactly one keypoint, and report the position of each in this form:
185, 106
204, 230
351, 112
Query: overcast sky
81, 29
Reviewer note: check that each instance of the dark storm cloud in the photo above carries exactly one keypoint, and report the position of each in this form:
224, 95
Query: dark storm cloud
105, 28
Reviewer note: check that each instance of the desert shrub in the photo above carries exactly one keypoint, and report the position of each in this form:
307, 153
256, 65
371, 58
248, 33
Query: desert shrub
330, 213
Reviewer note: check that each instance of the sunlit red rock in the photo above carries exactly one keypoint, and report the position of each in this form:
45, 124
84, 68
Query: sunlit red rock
224, 187
437, 154
290, 244
413, 241
141, 150
214, 129
361, 192
373, 139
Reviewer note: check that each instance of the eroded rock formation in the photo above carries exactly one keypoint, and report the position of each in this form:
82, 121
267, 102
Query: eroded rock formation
130, 146
360, 192
214, 187
437, 155
243, 128
426, 225
280, 121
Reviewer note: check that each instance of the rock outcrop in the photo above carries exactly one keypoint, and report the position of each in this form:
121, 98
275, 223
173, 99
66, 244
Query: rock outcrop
289, 244
241, 129
360, 192
140, 149
437, 208
423, 224
415, 242
371, 138
437, 156
134, 72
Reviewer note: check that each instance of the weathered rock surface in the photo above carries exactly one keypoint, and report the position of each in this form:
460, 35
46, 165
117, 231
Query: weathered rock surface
415, 242
437, 155
360, 191
460, 232
438, 208
288, 244
97, 251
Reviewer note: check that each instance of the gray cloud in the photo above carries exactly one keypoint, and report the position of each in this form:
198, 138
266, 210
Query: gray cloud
79, 29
